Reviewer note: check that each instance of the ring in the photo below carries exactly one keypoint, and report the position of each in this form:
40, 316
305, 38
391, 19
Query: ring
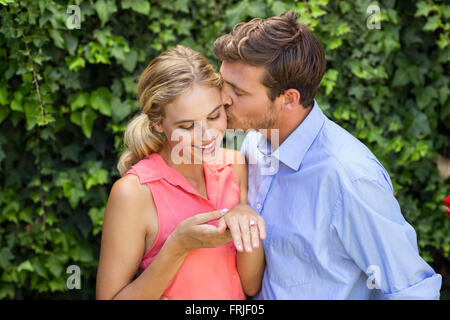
252, 223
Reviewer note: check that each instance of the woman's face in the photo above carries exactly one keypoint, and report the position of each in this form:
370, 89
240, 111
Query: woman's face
194, 125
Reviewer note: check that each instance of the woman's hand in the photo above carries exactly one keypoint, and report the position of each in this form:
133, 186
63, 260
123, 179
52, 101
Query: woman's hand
246, 226
194, 232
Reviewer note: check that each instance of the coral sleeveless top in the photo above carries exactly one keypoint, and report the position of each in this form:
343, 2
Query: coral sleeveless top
206, 273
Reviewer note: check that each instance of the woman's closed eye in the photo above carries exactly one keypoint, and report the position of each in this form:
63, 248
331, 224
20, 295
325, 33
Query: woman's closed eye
188, 127
215, 117
192, 123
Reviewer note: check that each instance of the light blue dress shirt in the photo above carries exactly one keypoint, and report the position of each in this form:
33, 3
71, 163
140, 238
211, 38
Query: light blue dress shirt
334, 227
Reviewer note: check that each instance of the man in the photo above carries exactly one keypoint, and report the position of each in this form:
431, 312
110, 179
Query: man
334, 227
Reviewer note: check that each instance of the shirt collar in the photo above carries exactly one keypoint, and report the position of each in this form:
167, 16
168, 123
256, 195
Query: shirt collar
160, 169
292, 151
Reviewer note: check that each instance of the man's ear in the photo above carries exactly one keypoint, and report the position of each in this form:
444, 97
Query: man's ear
291, 99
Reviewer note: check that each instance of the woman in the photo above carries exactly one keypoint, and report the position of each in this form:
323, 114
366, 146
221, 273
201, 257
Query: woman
165, 218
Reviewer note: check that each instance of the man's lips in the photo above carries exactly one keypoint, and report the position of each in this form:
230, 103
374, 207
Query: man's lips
228, 114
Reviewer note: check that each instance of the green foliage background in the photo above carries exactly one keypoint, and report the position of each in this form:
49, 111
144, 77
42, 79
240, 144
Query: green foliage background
66, 96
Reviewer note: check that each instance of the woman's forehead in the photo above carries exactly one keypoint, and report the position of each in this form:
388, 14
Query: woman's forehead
194, 104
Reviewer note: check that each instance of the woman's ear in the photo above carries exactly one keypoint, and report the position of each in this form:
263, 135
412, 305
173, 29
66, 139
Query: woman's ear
291, 99
158, 127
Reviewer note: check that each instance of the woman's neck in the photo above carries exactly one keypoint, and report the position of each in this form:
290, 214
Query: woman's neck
188, 170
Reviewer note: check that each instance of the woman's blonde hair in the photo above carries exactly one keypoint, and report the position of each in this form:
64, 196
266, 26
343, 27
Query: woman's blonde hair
165, 78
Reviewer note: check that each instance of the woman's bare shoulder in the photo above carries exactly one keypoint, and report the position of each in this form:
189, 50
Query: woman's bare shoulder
129, 185
128, 192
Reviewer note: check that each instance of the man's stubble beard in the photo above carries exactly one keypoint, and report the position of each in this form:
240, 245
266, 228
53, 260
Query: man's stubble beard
267, 121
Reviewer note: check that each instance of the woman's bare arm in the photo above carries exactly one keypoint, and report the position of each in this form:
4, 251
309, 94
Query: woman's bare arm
250, 265
123, 245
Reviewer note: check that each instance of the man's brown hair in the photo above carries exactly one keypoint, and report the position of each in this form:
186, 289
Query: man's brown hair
292, 56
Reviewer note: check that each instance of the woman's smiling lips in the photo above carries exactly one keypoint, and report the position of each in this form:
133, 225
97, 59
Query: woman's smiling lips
207, 148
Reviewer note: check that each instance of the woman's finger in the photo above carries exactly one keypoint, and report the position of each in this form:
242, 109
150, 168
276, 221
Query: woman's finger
254, 233
208, 216
221, 225
262, 228
235, 233
245, 233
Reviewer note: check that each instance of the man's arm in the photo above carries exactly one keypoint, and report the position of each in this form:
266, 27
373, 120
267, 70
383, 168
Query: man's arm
370, 225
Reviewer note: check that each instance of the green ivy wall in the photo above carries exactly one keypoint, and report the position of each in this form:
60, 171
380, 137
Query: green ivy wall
66, 96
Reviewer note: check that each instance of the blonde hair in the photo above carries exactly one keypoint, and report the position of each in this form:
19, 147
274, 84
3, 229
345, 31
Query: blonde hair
166, 77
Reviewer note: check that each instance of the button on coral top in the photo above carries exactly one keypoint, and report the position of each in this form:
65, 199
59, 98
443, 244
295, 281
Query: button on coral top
206, 273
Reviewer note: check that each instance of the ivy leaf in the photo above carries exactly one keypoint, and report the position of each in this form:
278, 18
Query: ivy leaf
236, 13
3, 114
139, 6
105, 8
39, 267
32, 113
130, 61
5, 257
58, 40
70, 42
54, 265
100, 176
87, 120
82, 252
100, 100
3, 96
278, 7
120, 109
432, 23
75, 63
401, 78
80, 100
257, 8
25, 266
71, 152
423, 9
97, 215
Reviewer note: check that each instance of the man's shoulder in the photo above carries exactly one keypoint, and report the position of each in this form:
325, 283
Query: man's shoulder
348, 156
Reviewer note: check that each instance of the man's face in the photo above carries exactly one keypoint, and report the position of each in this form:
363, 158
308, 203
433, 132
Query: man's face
245, 98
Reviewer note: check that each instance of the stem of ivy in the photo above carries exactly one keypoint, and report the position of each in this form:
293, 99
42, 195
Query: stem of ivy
38, 161
307, 9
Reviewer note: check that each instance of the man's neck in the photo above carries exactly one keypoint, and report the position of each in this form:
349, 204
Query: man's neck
288, 122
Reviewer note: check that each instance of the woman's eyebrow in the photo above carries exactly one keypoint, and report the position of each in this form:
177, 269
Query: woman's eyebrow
215, 109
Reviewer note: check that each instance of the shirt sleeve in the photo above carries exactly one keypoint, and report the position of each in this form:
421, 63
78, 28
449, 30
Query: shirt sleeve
374, 233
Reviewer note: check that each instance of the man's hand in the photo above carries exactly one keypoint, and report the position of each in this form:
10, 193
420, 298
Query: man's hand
246, 226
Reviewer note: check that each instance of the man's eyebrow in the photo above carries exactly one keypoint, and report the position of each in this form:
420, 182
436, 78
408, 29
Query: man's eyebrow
215, 109
236, 87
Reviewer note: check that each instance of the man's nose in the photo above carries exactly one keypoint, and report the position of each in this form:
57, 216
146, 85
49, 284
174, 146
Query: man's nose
226, 99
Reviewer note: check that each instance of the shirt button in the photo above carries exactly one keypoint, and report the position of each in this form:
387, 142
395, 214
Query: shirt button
234, 277
258, 206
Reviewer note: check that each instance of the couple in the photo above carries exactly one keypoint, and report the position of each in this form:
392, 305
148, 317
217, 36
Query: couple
331, 226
